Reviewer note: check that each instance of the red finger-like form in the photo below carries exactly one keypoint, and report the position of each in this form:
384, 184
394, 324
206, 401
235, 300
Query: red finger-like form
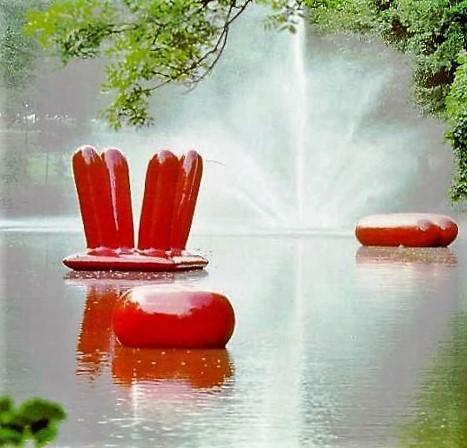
189, 180
117, 168
158, 202
164, 200
95, 201
147, 208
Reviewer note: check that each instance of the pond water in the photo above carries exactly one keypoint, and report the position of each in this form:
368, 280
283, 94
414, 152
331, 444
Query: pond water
335, 346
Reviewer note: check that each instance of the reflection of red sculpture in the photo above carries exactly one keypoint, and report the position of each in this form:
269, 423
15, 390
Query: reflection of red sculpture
158, 318
406, 229
200, 368
367, 256
96, 337
103, 188
97, 348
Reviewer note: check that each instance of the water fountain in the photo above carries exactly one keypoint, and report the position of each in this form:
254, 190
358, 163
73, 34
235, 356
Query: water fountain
300, 104
298, 132
302, 133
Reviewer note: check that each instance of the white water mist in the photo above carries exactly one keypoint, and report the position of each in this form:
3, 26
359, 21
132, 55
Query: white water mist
297, 131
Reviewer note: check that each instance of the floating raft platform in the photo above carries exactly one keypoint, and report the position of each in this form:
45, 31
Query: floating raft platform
134, 262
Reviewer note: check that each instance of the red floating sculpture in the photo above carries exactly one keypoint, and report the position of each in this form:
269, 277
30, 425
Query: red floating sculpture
201, 368
406, 229
148, 317
171, 191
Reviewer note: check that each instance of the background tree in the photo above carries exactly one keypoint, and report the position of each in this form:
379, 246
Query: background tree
18, 54
434, 34
41, 116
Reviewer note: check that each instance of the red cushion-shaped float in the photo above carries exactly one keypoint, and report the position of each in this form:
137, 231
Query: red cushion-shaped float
406, 229
158, 317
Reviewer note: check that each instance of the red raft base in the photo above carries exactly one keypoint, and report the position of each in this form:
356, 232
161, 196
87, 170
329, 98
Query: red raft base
135, 262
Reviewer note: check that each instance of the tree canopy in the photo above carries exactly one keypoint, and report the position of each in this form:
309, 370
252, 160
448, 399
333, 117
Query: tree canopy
146, 43
16, 50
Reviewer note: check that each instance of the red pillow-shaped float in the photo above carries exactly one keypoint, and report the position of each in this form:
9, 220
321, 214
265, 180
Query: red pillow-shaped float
406, 229
158, 317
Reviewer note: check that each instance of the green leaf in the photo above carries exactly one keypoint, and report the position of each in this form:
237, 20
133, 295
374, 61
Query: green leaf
45, 435
11, 437
35, 419
6, 405
37, 409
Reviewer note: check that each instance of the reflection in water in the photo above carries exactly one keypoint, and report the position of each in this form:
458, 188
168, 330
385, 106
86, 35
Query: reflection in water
95, 342
395, 255
97, 347
120, 279
154, 387
398, 268
329, 352
198, 368
441, 400
416, 286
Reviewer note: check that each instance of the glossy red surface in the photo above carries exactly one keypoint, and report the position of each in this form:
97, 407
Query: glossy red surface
151, 317
201, 368
94, 196
104, 193
414, 231
119, 179
185, 199
159, 202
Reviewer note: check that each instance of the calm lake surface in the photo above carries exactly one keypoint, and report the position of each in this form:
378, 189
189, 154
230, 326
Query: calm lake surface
335, 346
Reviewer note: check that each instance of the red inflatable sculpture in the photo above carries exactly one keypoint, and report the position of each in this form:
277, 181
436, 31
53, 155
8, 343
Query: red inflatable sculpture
104, 195
96, 348
173, 318
406, 229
